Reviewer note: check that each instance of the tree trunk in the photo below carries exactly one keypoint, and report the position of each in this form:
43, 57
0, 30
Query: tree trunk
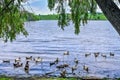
111, 11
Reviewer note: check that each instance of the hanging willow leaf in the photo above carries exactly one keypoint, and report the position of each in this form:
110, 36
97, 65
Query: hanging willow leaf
79, 10
11, 23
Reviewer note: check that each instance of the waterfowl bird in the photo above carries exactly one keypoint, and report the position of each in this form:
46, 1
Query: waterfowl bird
18, 59
29, 58
26, 68
6, 61
52, 63
62, 66
85, 68
38, 59
87, 54
104, 55
63, 73
65, 65
96, 54
17, 64
73, 69
111, 54
76, 61
57, 60
66, 53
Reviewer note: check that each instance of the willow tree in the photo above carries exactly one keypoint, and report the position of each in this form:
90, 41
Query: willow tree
11, 23
79, 10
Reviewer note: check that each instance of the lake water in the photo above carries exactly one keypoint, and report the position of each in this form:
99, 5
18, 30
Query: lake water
48, 41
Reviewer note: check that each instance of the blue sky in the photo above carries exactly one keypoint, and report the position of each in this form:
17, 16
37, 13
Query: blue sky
37, 6
40, 7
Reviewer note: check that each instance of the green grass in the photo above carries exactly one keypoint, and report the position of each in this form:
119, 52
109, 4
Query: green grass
45, 78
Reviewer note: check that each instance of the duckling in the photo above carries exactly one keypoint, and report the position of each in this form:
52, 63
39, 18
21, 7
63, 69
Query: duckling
38, 59
6, 61
66, 53
18, 59
85, 68
111, 54
63, 73
17, 64
29, 58
87, 54
104, 55
26, 68
96, 54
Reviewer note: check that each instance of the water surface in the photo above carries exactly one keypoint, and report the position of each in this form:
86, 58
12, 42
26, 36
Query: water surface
48, 41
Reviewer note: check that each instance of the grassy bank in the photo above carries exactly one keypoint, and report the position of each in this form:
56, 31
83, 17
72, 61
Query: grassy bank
51, 78
97, 16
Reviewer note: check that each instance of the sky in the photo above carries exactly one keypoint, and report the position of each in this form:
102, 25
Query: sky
40, 7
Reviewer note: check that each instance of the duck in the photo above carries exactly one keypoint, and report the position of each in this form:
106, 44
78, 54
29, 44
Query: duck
6, 61
38, 59
66, 53
85, 68
17, 64
29, 58
112, 54
26, 68
63, 73
18, 59
96, 54
87, 54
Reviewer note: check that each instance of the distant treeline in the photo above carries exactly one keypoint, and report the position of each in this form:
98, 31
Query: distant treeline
32, 17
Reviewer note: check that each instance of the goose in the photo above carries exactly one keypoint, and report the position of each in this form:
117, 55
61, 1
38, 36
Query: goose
18, 59
17, 64
52, 63
6, 61
63, 73
38, 59
73, 68
111, 54
29, 58
76, 61
26, 68
66, 53
96, 54
104, 55
87, 54
62, 66
57, 60
85, 68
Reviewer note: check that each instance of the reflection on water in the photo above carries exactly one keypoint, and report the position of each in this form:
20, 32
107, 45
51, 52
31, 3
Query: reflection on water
48, 41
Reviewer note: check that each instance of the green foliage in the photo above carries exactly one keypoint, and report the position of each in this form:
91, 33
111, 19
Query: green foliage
27, 16
97, 16
10, 20
79, 10
48, 17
